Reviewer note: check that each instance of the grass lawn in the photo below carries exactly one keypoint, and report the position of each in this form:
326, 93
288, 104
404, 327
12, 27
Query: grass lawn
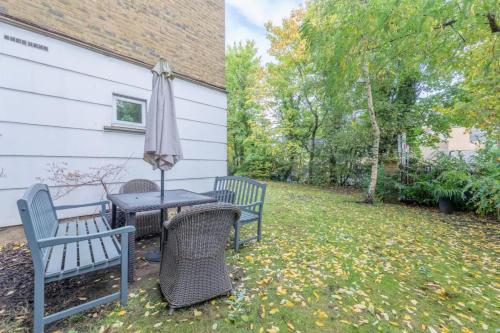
329, 264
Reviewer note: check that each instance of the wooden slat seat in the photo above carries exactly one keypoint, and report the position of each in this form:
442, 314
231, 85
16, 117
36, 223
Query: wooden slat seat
248, 217
61, 250
80, 257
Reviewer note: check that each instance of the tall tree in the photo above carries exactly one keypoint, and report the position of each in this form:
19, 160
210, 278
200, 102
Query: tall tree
296, 86
381, 43
243, 76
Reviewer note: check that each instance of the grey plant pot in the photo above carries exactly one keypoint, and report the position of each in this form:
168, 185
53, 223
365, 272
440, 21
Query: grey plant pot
446, 206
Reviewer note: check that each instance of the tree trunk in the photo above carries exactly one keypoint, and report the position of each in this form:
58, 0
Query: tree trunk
375, 135
312, 153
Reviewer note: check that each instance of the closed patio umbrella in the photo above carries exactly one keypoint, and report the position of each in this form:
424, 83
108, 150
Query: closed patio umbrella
162, 145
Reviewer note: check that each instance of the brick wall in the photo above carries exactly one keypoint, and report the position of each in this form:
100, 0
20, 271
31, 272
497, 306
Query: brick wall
188, 33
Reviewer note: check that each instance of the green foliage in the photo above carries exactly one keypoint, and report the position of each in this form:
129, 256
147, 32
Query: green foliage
445, 177
484, 186
388, 185
243, 73
451, 176
303, 117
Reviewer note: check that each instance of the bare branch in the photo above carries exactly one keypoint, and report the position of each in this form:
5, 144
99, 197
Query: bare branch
67, 180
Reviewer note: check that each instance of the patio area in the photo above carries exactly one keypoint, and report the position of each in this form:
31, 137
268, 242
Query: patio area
325, 263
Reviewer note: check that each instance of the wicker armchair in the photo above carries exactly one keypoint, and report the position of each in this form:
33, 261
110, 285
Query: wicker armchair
147, 223
193, 269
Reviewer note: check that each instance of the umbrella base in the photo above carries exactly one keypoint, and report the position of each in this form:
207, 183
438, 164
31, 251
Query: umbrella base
153, 256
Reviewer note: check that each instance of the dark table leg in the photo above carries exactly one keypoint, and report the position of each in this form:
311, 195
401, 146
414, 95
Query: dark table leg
113, 216
130, 220
163, 218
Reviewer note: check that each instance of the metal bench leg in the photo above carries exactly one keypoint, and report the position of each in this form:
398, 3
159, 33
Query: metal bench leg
236, 236
124, 270
259, 230
38, 306
131, 247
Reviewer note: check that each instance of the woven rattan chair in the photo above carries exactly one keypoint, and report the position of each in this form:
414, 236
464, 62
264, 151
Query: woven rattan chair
193, 268
147, 223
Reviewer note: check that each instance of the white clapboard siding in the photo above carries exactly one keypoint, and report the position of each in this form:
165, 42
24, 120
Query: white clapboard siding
23, 139
18, 106
56, 108
19, 169
188, 129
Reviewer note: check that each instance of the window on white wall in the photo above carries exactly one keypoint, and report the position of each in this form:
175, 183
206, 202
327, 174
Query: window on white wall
129, 111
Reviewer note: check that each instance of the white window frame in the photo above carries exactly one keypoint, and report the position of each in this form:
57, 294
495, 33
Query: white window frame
123, 123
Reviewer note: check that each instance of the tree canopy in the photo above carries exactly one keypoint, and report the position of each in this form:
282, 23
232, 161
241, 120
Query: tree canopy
351, 78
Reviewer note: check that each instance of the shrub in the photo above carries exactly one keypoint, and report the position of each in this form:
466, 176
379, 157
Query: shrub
452, 177
388, 185
444, 177
484, 187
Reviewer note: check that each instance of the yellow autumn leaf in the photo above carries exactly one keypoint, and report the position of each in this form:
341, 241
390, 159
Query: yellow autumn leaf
197, 313
288, 304
319, 323
320, 314
122, 313
264, 281
273, 329
249, 259
290, 326
280, 291
273, 311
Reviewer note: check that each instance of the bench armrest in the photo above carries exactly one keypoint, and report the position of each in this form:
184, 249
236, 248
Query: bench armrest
52, 241
99, 203
251, 205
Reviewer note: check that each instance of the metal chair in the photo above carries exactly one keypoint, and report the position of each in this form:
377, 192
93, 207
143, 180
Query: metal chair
248, 195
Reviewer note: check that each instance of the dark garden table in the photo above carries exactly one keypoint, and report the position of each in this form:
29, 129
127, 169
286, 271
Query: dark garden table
132, 203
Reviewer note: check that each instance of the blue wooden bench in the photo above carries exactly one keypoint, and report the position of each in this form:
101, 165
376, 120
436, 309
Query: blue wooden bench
248, 195
63, 250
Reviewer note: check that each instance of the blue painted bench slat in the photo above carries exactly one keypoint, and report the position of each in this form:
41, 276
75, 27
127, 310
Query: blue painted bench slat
62, 250
84, 246
70, 259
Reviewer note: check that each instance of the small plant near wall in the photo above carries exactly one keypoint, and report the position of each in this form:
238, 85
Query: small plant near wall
448, 189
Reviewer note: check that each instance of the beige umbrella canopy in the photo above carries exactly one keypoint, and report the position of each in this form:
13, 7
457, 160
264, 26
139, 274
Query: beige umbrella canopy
162, 146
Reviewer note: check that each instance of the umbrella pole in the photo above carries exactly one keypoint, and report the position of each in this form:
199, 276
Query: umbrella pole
155, 255
162, 185
162, 217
